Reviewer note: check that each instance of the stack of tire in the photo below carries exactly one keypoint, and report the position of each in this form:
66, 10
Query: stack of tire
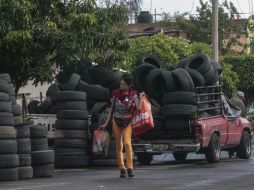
110, 159
42, 158
8, 143
25, 169
71, 134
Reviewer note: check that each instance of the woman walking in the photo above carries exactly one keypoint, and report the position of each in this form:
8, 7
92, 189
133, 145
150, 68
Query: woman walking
124, 101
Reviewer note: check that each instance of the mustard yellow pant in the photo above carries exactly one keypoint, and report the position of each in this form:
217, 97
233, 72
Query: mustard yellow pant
123, 136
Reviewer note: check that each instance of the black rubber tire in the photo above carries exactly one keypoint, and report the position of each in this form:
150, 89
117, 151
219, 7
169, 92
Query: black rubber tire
38, 131
197, 78
16, 110
6, 77
25, 172
177, 124
113, 85
23, 123
168, 83
73, 82
70, 143
13, 100
71, 124
65, 96
4, 87
245, 146
5, 107
180, 97
182, 63
180, 156
71, 134
39, 144
72, 105
140, 73
53, 109
6, 119
9, 161
24, 146
43, 170
25, 160
98, 108
149, 59
96, 92
70, 151
9, 174
44, 106
213, 150
33, 107
199, 62
42, 157
72, 161
55, 87
72, 114
7, 132
209, 76
4, 97
189, 111
8, 146
144, 158
183, 80
152, 85
18, 121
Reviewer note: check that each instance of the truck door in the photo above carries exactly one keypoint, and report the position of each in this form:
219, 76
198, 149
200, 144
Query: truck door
234, 131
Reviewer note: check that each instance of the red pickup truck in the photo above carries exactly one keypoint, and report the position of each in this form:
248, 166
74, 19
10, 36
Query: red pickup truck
223, 130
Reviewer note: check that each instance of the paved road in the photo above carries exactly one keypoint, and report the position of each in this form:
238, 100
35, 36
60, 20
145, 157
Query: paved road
163, 174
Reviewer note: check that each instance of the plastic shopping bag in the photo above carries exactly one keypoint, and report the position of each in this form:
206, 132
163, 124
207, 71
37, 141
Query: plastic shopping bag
142, 120
101, 140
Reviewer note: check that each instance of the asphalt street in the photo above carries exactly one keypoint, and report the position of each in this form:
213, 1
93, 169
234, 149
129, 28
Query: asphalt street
163, 174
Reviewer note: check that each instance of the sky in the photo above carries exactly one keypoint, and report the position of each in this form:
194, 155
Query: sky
171, 6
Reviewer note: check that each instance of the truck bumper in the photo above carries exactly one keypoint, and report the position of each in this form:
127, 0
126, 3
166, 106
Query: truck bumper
163, 148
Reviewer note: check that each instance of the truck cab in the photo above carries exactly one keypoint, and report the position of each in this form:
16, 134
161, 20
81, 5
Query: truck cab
217, 127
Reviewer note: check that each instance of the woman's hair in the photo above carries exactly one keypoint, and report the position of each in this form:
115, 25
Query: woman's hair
128, 79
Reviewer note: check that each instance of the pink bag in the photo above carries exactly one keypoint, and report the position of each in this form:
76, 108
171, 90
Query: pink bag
101, 140
142, 120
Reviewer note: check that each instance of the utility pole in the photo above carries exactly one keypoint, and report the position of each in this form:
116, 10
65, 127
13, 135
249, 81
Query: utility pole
215, 38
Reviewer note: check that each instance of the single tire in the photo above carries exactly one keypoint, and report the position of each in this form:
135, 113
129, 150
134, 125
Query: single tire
72, 105
44, 106
180, 97
244, 148
71, 134
8, 146
33, 107
9, 174
16, 110
213, 150
24, 146
149, 59
152, 85
9, 161
182, 63
180, 156
25, 172
72, 114
186, 110
65, 96
199, 62
71, 124
72, 161
98, 108
25, 160
6, 119
144, 158
43, 170
55, 87
4, 97
140, 73
38, 131
7, 132
73, 82
6, 77
70, 143
42, 157
5, 107
209, 76
183, 80
39, 144
197, 78
53, 109
4, 87
23, 132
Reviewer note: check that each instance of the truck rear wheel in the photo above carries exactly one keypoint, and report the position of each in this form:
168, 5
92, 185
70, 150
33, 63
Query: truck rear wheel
213, 150
180, 156
144, 158
244, 149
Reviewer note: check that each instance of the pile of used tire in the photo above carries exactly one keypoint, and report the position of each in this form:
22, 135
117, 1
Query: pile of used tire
42, 158
174, 89
8, 143
71, 134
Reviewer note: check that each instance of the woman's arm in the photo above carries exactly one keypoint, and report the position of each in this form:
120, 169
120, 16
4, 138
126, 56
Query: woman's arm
105, 124
137, 101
